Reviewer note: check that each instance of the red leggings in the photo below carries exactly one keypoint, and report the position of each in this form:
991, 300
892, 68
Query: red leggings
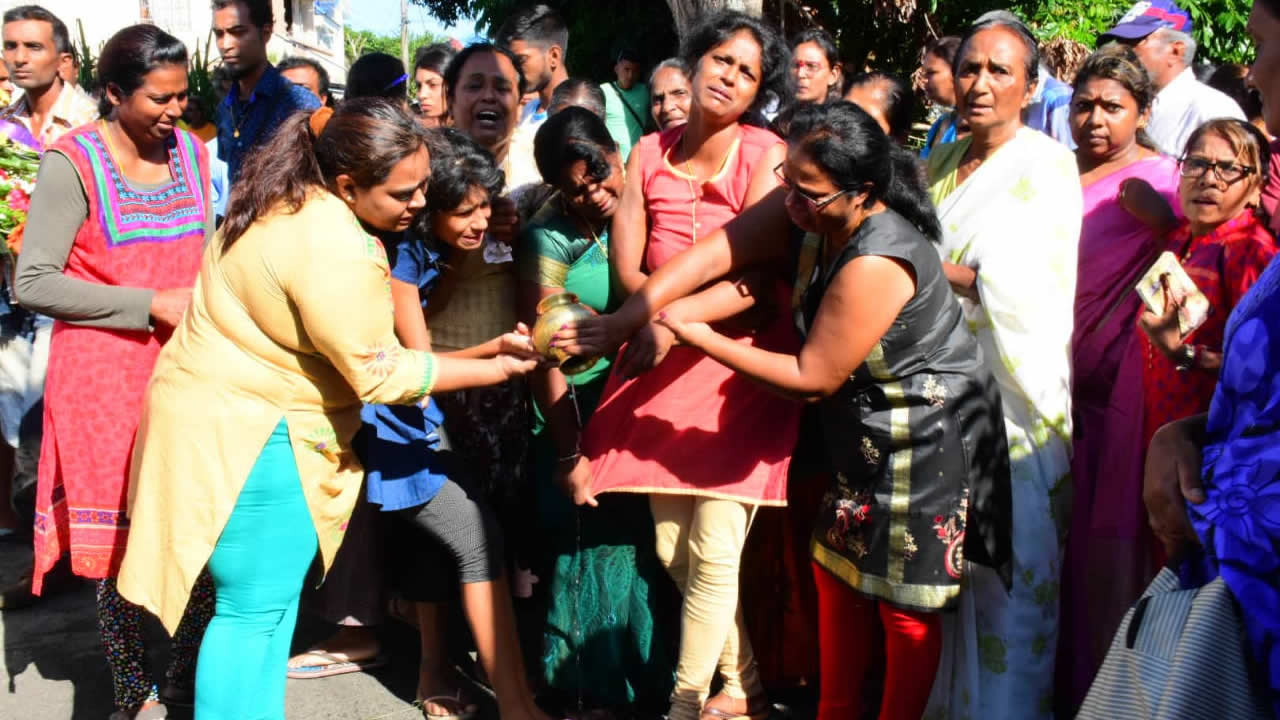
848, 625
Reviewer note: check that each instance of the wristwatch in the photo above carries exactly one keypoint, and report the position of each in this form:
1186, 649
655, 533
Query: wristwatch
1186, 357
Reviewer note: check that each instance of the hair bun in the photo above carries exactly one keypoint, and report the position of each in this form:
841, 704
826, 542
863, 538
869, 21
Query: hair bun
318, 120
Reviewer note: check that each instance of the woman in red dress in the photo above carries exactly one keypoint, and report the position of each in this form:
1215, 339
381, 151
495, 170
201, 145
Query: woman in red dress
708, 447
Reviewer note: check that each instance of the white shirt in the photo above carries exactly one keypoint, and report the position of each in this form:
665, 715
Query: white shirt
1184, 105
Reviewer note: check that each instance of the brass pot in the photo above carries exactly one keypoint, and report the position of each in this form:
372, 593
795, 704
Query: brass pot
554, 311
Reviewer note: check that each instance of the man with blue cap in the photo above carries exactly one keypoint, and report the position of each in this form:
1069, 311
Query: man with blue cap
1160, 33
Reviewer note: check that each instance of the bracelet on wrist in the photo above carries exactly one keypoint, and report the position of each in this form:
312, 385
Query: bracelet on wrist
569, 458
1186, 357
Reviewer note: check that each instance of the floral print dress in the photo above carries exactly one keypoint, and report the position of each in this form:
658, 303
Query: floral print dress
915, 438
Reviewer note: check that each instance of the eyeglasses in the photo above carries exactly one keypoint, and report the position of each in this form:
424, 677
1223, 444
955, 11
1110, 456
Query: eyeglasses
815, 204
807, 68
1227, 171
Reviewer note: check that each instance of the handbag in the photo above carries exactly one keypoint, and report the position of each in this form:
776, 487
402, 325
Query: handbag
1179, 655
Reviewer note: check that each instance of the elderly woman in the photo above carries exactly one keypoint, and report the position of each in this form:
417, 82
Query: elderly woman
1010, 205
669, 93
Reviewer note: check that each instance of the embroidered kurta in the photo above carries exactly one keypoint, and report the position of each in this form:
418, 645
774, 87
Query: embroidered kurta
915, 439
293, 321
93, 391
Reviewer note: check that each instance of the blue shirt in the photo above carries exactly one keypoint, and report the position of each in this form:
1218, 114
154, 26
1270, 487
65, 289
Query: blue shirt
1239, 521
1050, 109
401, 446
244, 125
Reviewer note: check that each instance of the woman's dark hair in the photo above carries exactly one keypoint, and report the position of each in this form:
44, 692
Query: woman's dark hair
718, 27
1271, 6
434, 58
899, 101
571, 135
377, 75
365, 138
1119, 63
458, 164
823, 40
577, 92
1231, 80
849, 146
454, 69
1011, 22
944, 47
132, 53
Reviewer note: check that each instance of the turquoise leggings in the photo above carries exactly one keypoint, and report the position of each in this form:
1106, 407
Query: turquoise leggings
258, 567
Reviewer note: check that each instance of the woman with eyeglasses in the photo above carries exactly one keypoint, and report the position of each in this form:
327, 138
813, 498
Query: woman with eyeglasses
909, 413
1224, 245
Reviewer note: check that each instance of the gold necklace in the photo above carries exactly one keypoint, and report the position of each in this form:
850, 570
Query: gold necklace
691, 176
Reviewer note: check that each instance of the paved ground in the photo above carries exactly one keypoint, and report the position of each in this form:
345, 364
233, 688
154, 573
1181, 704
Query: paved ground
53, 667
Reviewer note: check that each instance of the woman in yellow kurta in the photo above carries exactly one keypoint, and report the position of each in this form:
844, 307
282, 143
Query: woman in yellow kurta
243, 458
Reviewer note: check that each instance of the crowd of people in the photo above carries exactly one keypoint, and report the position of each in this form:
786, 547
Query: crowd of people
292, 354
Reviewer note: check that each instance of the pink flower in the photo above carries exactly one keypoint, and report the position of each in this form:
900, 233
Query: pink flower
19, 200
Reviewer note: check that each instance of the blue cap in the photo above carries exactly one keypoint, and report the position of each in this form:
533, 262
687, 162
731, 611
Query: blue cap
1145, 18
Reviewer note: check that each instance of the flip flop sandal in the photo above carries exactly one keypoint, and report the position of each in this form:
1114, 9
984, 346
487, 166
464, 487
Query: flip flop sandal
468, 711
718, 714
336, 666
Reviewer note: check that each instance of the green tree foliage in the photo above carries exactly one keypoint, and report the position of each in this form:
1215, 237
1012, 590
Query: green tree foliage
885, 34
597, 29
363, 42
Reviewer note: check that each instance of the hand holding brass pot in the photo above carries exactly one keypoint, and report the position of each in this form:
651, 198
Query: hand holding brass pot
555, 311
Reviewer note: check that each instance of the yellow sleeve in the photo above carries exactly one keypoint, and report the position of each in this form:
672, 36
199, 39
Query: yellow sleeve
339, 283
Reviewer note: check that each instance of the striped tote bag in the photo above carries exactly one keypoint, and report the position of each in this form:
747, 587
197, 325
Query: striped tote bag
1178, 655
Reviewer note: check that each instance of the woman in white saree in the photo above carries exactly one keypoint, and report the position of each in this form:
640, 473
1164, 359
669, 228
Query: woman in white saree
1010, 204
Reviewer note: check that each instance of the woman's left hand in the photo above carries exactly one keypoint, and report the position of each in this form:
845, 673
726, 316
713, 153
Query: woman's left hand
1163, 330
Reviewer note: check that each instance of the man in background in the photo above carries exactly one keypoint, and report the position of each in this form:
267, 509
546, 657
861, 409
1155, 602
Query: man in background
260, 97
626, 102
1160, 33
307, 73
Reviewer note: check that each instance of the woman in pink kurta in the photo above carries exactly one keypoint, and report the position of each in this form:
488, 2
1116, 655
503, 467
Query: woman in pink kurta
117, 226
707, 446
688, 426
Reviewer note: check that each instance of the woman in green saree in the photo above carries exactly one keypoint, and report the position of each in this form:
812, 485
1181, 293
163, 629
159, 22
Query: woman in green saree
604, 639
